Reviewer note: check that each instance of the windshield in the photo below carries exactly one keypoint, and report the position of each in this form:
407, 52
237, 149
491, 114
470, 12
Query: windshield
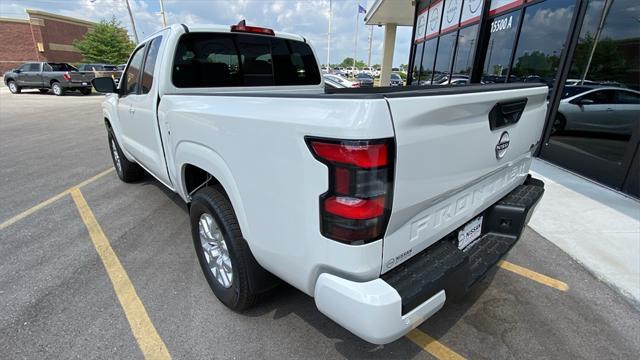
570, 91
395, 77
363, 76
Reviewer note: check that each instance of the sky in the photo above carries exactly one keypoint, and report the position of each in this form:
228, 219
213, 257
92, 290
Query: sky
309, 18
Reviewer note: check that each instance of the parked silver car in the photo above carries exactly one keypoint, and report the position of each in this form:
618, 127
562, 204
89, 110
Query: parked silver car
610, 110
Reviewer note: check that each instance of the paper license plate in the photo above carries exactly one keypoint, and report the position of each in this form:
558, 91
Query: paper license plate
470, 232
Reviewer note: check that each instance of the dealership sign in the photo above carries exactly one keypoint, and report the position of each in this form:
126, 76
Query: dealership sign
451, 16
433, 24
471, 11
421, 24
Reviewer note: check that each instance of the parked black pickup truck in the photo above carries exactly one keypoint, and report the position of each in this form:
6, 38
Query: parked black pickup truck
59, 77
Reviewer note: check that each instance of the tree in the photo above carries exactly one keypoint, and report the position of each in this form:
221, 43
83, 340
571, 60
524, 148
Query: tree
348, 62
108, 42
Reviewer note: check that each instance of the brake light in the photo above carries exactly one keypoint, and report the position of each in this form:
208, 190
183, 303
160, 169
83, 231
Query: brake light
355, 85
66, 76
357, 205
252, 29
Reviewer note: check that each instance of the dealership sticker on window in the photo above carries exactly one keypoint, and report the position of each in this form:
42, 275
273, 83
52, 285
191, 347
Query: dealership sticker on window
451, 15
502, 24
471, 11
421, 24
433, 25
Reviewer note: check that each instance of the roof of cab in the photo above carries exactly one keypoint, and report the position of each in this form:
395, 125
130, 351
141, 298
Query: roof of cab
227, 29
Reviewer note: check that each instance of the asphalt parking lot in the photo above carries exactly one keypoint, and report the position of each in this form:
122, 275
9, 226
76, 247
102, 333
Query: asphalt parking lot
60, 300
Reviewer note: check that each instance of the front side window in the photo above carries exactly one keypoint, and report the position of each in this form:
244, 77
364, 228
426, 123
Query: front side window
150, 64
601, 97
227, 60
132, 75
24, 67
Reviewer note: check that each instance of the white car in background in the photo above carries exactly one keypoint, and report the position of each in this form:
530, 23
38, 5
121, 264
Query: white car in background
341, 80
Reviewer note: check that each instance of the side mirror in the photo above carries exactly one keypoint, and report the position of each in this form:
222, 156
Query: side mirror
104, 85
17, 71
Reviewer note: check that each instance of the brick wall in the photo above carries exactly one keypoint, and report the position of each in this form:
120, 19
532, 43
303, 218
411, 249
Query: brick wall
16, 44
19, 39
56, 33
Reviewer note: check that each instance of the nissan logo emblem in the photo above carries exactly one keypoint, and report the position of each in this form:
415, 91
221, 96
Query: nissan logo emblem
502, 146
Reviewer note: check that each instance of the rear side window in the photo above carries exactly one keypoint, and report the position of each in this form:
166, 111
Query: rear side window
225, 60
150, 64
34, 67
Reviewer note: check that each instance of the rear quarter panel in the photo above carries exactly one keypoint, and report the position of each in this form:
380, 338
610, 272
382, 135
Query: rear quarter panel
255, 147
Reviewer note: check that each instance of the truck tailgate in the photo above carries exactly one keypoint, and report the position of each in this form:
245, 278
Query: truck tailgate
452, 163
81, 76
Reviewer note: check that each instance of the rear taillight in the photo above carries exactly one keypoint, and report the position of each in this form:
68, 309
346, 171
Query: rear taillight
357, 206
66, 76
355, 85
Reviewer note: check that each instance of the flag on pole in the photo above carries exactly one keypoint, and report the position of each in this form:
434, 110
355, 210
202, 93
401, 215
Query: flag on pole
361, 9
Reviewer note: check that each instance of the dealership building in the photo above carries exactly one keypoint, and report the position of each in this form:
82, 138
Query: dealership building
586, 51
42, 36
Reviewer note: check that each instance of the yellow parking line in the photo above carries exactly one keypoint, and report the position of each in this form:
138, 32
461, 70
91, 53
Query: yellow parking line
530, 274
143, 330
50, 200
432, 346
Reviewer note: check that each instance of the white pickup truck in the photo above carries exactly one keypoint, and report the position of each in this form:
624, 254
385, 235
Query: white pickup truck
379, 203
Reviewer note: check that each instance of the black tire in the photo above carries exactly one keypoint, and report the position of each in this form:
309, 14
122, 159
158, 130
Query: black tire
13, 87
559, 124
43, 91
239, 295
127, 171
85, 91
57, 89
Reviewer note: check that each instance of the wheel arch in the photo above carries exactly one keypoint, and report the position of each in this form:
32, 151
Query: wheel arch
194, 162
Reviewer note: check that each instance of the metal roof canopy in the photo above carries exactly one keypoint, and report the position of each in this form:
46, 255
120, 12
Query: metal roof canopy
391, 12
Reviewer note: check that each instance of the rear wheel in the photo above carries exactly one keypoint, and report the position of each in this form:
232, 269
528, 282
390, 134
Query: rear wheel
57, 89
223, 253
13, 87
127, 171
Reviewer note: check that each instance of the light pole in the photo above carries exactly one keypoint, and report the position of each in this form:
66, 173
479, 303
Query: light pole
133, 23
164, 19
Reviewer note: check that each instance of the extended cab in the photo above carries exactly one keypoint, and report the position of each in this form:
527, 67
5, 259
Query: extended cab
59, 77
380, 203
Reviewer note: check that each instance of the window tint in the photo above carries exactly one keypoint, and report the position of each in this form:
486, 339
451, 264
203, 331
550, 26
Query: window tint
150, 64
34, 67
628, 97
503, 32
61, 67
219, 60
132, 75
601, 96
464, 52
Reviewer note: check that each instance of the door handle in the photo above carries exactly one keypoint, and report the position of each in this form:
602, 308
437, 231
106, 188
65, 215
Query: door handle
609, 109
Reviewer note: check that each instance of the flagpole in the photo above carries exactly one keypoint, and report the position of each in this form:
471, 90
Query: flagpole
329, 37
355, 48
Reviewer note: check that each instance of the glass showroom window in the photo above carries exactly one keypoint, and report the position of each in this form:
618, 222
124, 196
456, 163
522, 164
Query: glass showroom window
463, 61
542, 38
417, 58
443, 59
503, 31
428, 57
593, 131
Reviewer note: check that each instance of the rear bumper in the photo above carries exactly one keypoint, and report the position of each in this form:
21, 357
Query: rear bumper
382, 310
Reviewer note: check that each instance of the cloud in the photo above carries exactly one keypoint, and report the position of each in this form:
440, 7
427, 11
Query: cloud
308, 18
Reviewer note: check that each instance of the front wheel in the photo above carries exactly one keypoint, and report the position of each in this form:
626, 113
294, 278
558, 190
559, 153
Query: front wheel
127, 171
57, 89
13, 87
223, 253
